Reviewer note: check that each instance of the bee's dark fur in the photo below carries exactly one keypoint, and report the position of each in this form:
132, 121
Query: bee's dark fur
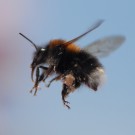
68, 61
72, 65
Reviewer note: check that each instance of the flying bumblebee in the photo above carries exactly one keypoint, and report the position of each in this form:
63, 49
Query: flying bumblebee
71, 64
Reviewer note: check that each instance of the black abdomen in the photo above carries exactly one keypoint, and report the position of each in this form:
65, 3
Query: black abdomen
83, 66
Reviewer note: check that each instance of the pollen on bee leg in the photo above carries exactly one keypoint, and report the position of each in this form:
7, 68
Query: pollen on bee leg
69, 80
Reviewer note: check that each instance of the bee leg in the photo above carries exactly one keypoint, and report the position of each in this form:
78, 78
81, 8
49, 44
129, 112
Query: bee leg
42, 76
38, 78
64, 95
36, 82
55, 78
44, 68
48, 72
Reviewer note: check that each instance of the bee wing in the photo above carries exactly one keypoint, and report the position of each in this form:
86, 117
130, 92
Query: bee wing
105, 46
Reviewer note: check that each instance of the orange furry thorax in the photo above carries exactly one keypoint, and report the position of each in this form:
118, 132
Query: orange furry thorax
71, 47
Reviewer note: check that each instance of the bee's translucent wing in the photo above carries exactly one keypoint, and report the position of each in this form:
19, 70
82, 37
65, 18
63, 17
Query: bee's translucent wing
103, 47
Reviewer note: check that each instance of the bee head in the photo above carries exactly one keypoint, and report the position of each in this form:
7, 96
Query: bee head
39, 58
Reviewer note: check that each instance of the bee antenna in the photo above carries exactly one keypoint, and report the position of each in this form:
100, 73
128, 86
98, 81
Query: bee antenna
94, 26
29, 41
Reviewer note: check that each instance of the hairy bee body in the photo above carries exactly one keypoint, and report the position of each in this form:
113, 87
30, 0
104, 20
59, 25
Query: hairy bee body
72, 65
75, 61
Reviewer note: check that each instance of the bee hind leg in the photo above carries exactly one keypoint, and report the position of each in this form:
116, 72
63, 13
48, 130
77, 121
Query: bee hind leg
64, 94
54, 79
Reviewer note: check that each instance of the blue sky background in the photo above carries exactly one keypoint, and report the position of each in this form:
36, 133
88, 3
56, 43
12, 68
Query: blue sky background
109, 111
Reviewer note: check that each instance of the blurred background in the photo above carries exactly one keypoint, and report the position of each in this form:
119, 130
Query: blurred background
111, 110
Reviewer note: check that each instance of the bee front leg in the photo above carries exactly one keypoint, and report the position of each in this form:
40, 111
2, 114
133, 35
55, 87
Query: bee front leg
48, 72
36, 82
39, 78
42, 76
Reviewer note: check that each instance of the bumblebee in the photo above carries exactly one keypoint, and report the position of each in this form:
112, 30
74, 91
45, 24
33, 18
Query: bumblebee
71, 64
